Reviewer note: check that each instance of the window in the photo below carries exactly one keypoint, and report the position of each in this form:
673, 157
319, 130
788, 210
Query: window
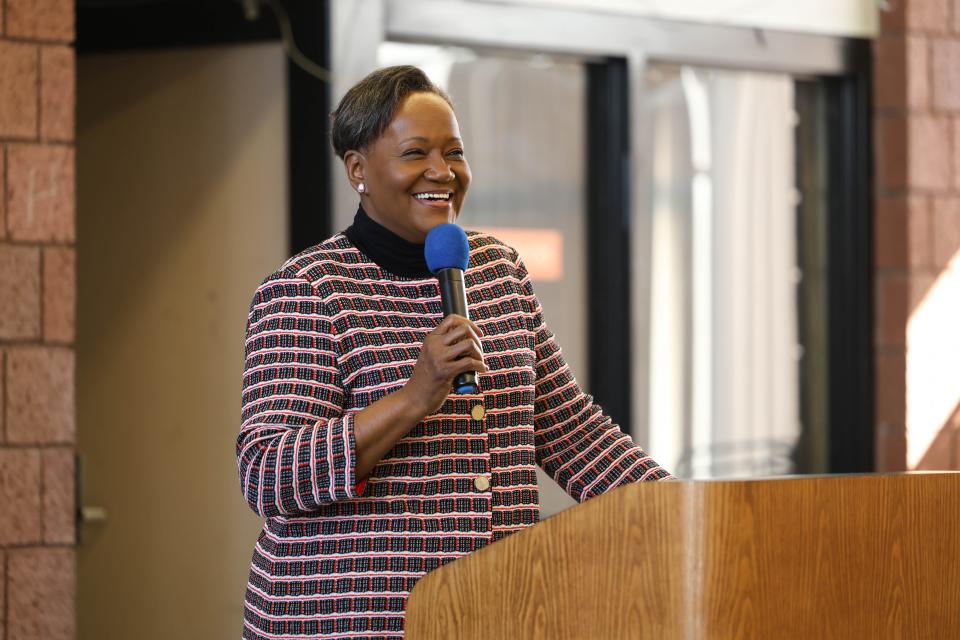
734, 263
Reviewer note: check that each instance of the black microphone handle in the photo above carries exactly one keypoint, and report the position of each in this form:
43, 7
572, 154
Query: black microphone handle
453, 299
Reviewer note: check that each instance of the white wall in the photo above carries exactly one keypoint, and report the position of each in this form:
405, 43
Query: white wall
857, 18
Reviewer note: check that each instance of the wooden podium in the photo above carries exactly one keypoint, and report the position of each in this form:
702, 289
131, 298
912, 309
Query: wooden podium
872, 556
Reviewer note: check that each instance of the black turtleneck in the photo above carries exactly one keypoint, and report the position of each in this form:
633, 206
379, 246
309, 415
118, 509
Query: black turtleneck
391, 252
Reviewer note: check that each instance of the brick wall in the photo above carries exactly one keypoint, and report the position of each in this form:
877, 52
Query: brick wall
917, 124
37, 301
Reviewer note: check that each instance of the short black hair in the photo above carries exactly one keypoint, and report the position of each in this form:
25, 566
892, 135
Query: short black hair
368, 107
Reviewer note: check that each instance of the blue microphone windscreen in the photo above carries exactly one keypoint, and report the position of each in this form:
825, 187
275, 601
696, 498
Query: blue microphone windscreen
447, 247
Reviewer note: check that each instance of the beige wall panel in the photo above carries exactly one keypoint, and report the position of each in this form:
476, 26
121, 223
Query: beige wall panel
182, 211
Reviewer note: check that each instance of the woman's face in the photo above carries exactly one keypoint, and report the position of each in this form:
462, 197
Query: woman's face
415, 175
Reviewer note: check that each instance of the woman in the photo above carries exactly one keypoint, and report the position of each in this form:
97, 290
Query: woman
368, 471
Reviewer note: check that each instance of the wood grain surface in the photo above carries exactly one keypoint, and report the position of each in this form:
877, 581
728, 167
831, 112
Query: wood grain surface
824, 557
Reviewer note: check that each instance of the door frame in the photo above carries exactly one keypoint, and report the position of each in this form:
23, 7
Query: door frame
602, 39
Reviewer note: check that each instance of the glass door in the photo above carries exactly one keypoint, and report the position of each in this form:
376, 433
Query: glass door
673, 178
733, 264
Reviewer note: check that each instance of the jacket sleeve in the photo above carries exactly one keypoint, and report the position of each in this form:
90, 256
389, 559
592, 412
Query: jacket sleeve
295, 451
576, 443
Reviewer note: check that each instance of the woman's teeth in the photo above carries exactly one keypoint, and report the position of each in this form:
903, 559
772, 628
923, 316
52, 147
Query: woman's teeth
432, 196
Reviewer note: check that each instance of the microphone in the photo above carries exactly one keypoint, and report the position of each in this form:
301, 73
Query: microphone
447, 251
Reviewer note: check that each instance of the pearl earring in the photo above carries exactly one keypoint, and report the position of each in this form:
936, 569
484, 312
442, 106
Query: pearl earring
361, 188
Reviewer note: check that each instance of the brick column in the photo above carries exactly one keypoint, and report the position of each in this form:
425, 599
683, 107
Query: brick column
37, 301
917, 124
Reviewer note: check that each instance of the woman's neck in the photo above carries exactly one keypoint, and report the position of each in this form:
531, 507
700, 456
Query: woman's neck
391, 252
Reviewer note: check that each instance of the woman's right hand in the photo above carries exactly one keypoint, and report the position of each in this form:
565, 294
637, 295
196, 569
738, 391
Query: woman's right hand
449, 350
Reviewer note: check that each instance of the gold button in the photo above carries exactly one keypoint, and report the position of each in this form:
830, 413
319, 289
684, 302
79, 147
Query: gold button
478, 412
482, 483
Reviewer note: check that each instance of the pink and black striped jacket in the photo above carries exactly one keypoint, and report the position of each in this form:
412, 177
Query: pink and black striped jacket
328, 334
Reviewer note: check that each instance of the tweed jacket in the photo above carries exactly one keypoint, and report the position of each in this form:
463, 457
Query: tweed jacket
331, 332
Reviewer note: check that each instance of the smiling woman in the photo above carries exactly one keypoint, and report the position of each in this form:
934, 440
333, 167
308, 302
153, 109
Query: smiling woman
399, 139
368, 470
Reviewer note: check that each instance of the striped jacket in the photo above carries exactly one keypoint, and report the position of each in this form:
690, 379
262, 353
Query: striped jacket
331, 332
